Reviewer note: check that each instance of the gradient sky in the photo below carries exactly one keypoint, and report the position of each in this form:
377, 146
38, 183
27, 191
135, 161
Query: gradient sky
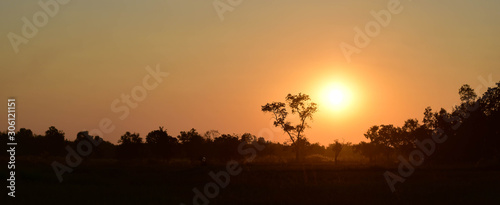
221, 72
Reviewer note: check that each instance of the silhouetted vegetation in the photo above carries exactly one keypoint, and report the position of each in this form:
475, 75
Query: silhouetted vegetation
300, 105
163, 164
472, 131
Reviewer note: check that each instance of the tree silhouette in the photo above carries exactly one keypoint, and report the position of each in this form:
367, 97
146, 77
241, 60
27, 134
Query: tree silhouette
387, 136
369, 150
104, 150
27, 138
130, 146
466, 93
337, 148
54, 141
410, 132
490, 101
430, 120
226, 147
210, 135
470, 130
299, 104
129, 138
248, 138
161, 144
315, 149
193, 144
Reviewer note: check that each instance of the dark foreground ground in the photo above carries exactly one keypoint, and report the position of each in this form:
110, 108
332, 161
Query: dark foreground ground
112, 182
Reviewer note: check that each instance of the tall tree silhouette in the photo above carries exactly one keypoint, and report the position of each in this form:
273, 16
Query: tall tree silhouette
337, 148
430, 119
299, 104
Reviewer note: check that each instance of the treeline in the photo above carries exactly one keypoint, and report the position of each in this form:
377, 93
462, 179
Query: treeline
160, 145
470, 133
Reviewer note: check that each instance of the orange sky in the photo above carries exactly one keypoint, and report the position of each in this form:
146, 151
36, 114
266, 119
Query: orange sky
221, 72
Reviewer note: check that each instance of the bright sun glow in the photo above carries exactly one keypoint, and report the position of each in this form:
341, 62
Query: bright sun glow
336, 97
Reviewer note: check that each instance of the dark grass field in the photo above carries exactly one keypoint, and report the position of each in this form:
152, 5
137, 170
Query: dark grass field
114, 182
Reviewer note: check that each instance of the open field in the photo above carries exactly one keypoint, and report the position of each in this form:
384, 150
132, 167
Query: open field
116, 182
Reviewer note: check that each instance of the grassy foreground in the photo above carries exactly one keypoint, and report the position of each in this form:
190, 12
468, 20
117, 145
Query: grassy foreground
114, 182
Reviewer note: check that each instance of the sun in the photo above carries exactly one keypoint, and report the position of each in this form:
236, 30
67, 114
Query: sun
336, 97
